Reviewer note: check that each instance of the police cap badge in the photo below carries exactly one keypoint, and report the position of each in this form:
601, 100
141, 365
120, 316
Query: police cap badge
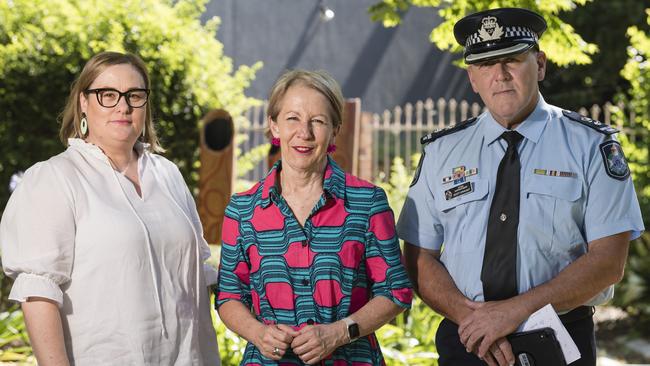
498, 33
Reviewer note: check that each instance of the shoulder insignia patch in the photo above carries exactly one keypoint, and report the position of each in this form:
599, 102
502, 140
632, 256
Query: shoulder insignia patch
416, 176
446, 131
614, 160
592, 123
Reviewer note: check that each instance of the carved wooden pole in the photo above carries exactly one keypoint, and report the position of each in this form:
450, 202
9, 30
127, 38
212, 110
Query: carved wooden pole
347, 141
217, 171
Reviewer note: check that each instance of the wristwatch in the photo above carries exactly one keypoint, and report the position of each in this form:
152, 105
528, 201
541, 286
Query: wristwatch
353, 329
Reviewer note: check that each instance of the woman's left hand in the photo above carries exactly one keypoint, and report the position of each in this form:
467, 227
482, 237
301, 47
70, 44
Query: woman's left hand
316, 342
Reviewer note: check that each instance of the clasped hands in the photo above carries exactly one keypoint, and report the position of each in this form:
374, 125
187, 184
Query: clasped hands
311, 343
483, 332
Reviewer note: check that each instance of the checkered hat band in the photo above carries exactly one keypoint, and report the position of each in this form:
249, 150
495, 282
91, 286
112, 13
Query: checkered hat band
510, 32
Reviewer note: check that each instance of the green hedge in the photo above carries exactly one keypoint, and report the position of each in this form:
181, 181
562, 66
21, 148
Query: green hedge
44, 44
633, 294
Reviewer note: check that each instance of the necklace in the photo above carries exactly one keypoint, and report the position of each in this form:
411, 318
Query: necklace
128, 164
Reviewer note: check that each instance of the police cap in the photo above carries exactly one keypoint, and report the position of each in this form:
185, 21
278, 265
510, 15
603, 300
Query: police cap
498, 33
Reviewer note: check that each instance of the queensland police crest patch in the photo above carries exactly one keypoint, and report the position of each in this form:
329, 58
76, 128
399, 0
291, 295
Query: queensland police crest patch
614, 160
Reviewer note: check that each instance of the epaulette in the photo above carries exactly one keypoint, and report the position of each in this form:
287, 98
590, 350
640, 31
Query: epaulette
592, 123
446, 131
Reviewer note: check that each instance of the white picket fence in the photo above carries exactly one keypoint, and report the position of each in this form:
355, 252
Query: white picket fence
397, 132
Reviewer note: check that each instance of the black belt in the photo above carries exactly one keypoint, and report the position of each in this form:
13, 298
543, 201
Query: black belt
578, 313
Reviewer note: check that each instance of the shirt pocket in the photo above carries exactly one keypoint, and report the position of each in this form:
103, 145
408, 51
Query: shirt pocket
552, 214
459, 217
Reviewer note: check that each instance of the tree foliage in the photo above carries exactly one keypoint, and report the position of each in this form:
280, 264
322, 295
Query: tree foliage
637, 98
44, 45
562, 44
635, 289
605, 23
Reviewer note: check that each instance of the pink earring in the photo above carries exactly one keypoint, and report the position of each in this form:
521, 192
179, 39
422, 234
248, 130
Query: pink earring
331, 148
275, 141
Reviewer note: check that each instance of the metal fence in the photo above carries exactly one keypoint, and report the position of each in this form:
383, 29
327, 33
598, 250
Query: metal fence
397, 132
255, 133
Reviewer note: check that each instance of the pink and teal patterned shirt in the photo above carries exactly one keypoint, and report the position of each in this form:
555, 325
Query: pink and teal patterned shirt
346, 253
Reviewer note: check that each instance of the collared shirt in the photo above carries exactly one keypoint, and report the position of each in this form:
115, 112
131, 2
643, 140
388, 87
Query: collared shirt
346, 253
127, 271
566, 200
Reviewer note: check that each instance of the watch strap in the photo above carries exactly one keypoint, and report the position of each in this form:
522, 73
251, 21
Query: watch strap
351, 324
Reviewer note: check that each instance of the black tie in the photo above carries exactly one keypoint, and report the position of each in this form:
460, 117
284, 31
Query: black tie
499, 273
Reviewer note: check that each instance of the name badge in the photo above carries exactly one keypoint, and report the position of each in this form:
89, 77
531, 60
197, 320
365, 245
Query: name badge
458, 190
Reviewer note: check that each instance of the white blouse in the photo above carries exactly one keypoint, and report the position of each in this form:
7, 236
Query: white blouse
127, 271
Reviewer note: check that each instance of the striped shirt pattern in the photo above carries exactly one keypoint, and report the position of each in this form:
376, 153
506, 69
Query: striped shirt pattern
346, 253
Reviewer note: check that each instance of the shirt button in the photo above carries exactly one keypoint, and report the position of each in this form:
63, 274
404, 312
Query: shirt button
310, 321
305, 282
503, 217
304, 243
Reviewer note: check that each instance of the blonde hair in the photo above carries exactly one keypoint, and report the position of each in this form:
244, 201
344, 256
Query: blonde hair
318, 80
71, 115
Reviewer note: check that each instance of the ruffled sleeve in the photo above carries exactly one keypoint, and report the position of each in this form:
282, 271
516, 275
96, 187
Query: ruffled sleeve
37, 235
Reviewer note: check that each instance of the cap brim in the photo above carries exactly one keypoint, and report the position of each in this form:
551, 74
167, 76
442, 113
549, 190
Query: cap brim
499, 53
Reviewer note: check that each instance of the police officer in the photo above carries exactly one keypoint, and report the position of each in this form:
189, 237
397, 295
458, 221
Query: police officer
523, 206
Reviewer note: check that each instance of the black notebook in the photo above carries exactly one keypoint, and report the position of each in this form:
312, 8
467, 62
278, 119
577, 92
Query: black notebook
537, 347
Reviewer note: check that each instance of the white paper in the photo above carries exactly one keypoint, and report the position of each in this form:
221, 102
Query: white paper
546, 317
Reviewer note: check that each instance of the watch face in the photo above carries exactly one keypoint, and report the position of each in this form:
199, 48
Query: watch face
353, 331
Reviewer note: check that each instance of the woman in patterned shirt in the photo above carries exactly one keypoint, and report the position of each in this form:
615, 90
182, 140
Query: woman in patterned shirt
309, 255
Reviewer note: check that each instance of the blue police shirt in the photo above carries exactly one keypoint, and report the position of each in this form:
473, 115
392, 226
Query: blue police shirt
567, 198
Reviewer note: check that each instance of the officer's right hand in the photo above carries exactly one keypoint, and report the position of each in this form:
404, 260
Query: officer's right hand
500, 353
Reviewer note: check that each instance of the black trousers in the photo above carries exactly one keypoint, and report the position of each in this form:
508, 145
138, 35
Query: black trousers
452, 352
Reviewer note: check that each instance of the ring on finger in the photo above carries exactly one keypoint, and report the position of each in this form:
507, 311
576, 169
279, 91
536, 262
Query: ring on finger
276, 351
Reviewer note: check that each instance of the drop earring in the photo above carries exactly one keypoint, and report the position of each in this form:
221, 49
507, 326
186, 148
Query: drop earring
83, 125
144, 129
275, 141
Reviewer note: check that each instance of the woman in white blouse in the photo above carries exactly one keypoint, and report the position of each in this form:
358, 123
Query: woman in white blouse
104, 241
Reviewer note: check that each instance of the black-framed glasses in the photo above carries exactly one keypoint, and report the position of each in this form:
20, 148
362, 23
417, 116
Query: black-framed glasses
109, 97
